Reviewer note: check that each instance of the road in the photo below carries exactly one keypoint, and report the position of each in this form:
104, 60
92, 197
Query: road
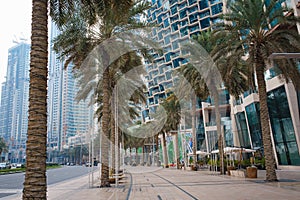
13, 182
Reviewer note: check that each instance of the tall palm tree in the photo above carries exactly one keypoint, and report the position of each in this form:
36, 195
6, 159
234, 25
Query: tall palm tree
35, 185
91, 24
247, 34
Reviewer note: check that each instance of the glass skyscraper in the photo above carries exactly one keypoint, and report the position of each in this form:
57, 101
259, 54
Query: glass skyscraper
66, 117
14, 101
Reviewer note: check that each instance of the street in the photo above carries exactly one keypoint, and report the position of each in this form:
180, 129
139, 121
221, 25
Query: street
11, 183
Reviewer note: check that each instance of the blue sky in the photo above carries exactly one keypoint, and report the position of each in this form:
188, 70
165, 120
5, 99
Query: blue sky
15, 21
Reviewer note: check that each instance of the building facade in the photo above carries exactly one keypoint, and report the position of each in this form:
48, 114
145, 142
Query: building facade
181, 20
67, 117
14, 101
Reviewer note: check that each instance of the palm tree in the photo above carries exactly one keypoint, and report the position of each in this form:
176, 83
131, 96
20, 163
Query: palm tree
171, 105
35, 185
232, 76
93, 23
200, 90
247, 34
3, 147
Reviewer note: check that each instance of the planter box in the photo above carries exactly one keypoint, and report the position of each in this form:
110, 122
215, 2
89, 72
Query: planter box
251, 172
229, 168
238, 173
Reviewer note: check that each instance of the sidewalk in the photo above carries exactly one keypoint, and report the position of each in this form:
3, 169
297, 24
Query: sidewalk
207, 185
77, 189
158, 183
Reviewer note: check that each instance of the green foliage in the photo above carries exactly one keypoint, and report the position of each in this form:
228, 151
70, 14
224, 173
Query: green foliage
247, 32
191, 160
23, 168
3, 146
172, 107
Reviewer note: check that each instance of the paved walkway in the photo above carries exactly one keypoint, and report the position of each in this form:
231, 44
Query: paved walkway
157, 183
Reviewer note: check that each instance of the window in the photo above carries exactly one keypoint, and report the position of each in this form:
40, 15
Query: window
183, 14
175, 27
184, 31
174, 10
191, 2
193, 18
282, 128
205, 23
204, 14
216, 9
166, 22
203, 4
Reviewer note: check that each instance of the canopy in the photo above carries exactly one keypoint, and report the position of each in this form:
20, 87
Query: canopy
199, 153
234, 150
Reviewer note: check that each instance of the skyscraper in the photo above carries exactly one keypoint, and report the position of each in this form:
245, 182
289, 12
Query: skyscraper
14, 101
178, 21
66, 116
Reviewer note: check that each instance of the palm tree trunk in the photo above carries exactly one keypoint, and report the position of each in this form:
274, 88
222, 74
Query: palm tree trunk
112, 139
35, 185
105, 132
194, 129
265, 126
220, 134
165, 153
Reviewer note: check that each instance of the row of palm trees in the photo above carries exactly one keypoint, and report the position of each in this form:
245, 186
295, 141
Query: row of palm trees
240, 49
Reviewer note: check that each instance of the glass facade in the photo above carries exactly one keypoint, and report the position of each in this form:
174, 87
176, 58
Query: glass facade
253, 111
14, 101
212, 140
228, 136
282, 128
200, 133
242, 129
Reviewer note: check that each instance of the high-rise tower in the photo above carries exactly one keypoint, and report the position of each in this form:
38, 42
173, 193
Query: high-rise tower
66, 116
14, 101
178, 21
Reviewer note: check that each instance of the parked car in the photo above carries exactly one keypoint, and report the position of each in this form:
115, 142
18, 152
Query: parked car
4, 165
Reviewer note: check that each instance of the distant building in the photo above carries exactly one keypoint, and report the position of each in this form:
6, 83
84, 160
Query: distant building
66, 116
14, 101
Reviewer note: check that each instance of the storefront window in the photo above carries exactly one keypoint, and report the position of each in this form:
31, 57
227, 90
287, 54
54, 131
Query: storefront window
241, 125
282, 128
252, 111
